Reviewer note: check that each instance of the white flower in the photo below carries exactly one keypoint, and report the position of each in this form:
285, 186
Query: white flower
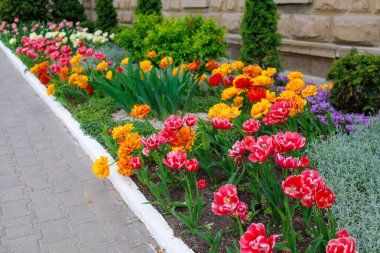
32, 36
112, 36
85, 29
64, 40
98, 33
105, 34
62, 34
12, 41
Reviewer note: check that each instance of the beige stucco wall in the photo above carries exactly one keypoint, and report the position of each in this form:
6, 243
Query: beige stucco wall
314, 32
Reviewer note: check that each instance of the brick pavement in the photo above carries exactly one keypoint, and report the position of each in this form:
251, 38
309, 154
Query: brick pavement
49, 199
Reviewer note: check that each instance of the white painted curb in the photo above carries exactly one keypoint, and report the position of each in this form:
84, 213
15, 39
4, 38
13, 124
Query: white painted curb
132, 196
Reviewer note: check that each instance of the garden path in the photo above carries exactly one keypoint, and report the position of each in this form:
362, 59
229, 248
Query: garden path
50, 201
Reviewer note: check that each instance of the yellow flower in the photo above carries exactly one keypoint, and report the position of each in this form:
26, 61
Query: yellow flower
140, 111
165, 62
130, 143
121, 131
262, 81
252, 70
124, 166
102, 66
223, 111
50, 89
224, 70
78, 79
270, 96
77, 69
295, 75
238, 102
295, 85
309, 91
109, 75
269, 72
237, 65
124, 61
260, 108
76, 59
201, 79
327, 86
101, 168
230, 93
146, 66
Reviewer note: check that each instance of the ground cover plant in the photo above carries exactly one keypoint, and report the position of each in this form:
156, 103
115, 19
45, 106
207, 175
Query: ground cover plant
243, 166
350, 165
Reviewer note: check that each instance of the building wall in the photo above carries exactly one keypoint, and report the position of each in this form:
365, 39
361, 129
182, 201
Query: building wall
314, 32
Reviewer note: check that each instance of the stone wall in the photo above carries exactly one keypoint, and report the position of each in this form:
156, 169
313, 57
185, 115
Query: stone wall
314, 32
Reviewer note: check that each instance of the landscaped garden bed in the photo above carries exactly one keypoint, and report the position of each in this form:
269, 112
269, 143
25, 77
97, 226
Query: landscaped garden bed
237, 180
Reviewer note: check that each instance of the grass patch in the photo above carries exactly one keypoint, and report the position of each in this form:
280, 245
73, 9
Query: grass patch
350, 166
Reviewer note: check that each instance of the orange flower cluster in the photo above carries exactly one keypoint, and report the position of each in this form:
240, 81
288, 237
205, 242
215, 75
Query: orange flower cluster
140, 111
79, 79
184, 139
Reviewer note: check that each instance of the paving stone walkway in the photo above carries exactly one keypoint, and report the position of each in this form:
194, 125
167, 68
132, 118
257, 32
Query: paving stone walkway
49, 199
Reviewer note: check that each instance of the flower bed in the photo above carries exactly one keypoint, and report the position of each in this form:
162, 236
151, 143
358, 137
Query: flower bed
222, 178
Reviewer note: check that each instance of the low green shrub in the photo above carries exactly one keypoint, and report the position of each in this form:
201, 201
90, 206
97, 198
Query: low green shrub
187, 39
26, 10
356, 81
132, 38
350, 166
95, 109
71, 10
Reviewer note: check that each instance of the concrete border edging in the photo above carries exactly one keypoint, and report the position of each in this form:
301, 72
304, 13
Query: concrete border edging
153, 220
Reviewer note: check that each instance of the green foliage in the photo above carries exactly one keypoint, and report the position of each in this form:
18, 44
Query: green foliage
164, 92
189, 39
71, 10
350, 166
259, 33
132, 38
26, 10
200, 104
186, 39
106, 15
356, 83
147, 7
95, 109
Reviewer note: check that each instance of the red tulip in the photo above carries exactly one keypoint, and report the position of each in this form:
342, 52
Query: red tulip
215, 80
243, 83
255, 240
175, 159
173, 123
325, 198
190, 120
343, 244
221, 124
288, 141
261, 149
278, 113
201, 184
136, 163
292, 187
192, 165
292, 163
251, 126
255, 94
225, 200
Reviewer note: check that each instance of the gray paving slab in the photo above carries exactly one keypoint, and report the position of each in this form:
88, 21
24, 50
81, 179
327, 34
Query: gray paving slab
50, 201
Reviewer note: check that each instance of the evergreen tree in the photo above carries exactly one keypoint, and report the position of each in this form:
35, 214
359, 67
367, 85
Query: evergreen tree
259, 33
25, 10
106, 13
147, 7
71, 10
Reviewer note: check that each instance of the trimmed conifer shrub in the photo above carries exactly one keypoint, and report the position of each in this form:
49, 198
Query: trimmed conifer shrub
25, 10
259, 33
71, 10
106, 13
148, 7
